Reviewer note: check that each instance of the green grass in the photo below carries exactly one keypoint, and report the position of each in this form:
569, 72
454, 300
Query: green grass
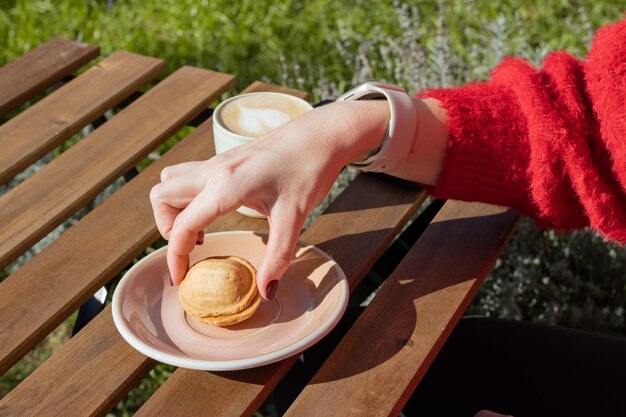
38, 355
324, 46
257, 39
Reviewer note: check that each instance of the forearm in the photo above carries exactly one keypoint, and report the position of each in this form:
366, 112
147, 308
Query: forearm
547, 142
429, 144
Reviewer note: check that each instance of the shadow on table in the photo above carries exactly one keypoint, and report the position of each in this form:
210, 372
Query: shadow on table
449, 256
374, 190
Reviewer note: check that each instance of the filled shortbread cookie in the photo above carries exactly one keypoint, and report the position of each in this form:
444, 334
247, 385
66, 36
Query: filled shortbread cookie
220, 290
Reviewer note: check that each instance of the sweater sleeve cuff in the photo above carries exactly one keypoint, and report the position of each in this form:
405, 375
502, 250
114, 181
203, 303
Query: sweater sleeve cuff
487, 152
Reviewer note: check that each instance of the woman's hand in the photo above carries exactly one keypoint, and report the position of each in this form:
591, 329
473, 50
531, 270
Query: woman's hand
282, 175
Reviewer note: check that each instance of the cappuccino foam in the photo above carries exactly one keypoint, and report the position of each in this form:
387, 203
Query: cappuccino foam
255, 115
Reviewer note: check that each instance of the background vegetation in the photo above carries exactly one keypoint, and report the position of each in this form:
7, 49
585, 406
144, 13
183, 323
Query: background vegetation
324, 46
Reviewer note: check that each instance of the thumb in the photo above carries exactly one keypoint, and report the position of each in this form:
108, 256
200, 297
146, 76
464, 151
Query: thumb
284, 233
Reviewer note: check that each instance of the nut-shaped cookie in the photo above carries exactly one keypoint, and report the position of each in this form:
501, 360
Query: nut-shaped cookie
220, 290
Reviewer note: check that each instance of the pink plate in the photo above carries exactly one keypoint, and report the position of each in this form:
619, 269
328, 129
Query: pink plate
311, 298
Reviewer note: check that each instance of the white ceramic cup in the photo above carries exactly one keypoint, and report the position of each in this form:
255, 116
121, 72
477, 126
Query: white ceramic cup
258, 112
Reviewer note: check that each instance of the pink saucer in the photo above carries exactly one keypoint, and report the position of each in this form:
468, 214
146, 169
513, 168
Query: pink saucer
311, 298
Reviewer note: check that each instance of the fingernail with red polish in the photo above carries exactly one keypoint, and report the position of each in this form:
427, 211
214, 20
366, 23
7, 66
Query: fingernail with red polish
271, 288
200, 240
171, 282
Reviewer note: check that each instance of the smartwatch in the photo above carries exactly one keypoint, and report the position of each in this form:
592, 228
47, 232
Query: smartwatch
398, 140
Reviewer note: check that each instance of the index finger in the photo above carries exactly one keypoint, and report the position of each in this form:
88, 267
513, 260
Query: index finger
180, 246
169, 198
197, 216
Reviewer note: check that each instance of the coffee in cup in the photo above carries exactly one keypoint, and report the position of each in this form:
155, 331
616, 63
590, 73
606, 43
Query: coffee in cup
246, 117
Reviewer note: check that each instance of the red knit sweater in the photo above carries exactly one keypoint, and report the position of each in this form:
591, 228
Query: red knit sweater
549, 143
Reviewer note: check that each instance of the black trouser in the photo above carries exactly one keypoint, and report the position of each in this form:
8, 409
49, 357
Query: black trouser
524, 369
518, 368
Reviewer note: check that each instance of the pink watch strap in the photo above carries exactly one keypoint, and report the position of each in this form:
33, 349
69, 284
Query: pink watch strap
398, 141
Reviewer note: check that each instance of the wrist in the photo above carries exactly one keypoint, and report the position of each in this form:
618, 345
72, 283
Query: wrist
362, 129
429, 144
371, 122
431, 139
400, 129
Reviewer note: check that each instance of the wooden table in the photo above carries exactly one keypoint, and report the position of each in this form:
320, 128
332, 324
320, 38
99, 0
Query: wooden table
385, 353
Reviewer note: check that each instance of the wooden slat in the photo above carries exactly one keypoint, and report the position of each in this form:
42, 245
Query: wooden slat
39, 204
411, 317
38, 69
34, 132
